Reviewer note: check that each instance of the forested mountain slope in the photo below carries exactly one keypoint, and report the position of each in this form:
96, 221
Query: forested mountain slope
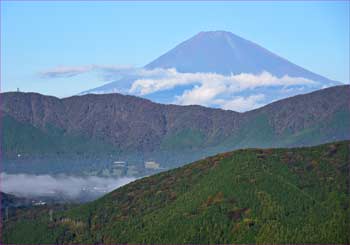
296, 195
37, 126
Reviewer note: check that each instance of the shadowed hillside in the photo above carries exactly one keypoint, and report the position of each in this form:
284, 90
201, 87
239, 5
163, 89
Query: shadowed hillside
98, 128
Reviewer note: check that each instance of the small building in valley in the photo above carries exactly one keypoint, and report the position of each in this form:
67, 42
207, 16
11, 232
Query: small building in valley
152, 165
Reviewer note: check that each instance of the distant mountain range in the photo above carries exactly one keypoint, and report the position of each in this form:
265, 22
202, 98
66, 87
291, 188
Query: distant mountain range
113, 126
245, 72
251, 196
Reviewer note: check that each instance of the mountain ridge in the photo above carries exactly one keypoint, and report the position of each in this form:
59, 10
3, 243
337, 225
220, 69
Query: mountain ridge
98, 126
345, 86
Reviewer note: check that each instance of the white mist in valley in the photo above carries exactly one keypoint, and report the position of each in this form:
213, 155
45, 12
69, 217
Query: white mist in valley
69, 187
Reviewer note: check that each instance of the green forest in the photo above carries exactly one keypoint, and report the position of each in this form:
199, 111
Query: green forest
264, 196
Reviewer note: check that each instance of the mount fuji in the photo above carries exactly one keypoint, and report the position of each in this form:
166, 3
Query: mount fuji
217, 69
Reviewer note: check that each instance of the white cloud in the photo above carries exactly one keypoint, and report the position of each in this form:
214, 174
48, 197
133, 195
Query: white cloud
200, 95
71, 71
170, 78
211, 89
71, 186
241, 104
65, 71
236, 92
163, 79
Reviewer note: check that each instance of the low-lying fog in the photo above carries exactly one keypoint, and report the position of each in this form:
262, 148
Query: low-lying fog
59, 187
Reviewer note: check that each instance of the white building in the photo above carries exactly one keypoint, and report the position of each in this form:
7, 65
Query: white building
151, 165
119, 164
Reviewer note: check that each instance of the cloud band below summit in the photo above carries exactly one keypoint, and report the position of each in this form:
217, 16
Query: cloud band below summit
238, 92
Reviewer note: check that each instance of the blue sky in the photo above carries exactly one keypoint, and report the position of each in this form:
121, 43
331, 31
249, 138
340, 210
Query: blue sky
37, 36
